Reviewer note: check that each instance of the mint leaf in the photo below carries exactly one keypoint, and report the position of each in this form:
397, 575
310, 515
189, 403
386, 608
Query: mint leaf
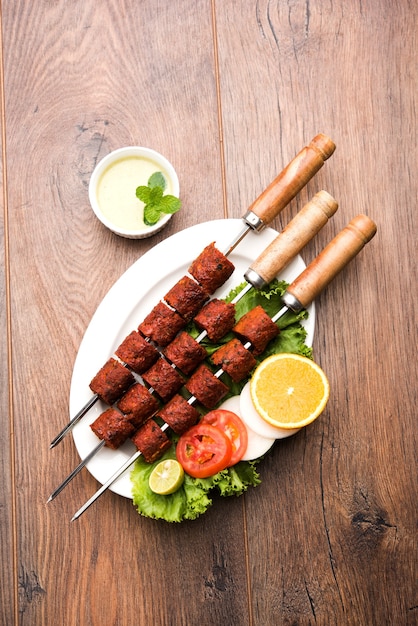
157, 180
151, 214
143, 194
156, 203
169, 204
155, 195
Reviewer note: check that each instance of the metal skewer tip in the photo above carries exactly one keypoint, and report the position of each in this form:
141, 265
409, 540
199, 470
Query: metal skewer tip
74, 421
110, 481
75, 471
106, 485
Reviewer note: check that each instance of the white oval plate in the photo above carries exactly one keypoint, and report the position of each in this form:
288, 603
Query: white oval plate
127, 303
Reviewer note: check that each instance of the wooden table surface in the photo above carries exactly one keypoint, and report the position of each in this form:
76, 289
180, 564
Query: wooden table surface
229, 92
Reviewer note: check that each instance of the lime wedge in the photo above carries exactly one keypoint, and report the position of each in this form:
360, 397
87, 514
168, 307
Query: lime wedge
166, 477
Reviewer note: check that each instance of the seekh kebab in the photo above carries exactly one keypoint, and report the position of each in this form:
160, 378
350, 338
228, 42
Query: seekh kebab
160, 326
184, 352
119, 423
131, 417
263, 210
339, 252
209, 271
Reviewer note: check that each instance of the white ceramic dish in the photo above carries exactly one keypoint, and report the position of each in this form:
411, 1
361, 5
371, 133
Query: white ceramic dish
127, 303
155, 162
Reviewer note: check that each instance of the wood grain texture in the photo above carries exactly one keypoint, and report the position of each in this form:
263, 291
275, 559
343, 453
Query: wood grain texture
7, 509
343, 524
230, 97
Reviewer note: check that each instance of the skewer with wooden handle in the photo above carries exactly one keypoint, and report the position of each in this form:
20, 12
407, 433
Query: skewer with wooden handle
291, 240
299, 295
281, 251
288, 243
263, 210
285, 186
304, 226
337, 254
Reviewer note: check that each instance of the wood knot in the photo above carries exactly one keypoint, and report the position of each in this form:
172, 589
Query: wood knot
29, 587
370, 521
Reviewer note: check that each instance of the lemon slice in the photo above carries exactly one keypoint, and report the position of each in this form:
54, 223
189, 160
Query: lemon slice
166, 477
289, 390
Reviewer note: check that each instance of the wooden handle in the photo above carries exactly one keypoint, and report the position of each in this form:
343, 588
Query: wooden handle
337, 254
292, 179
303, 227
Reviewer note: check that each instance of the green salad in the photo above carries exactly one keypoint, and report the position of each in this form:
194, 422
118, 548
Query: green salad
194, 497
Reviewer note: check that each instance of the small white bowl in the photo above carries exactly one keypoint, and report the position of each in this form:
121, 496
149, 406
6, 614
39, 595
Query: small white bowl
113, 168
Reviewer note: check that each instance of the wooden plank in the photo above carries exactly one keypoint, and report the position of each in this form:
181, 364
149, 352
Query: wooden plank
338, 524
7, 543
80, 81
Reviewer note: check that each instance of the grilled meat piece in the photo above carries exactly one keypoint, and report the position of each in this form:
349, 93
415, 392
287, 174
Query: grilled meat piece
206, 388
185, 352
235, 360
187, 297
162, 324
217, 318
137, 404
164, 379
111, 381
211, 268
151, 441
113, 428
257, 327
179, 414
137, 353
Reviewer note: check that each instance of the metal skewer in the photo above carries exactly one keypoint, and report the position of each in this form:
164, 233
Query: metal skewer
110, 481
303, 290
76, 470
261, 213
278, 254
74, 421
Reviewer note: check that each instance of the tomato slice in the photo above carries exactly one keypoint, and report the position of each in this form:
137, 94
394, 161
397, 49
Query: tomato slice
203, 451
233, 427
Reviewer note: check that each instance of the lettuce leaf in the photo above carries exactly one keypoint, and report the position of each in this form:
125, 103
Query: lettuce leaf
195, 495
235, 480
